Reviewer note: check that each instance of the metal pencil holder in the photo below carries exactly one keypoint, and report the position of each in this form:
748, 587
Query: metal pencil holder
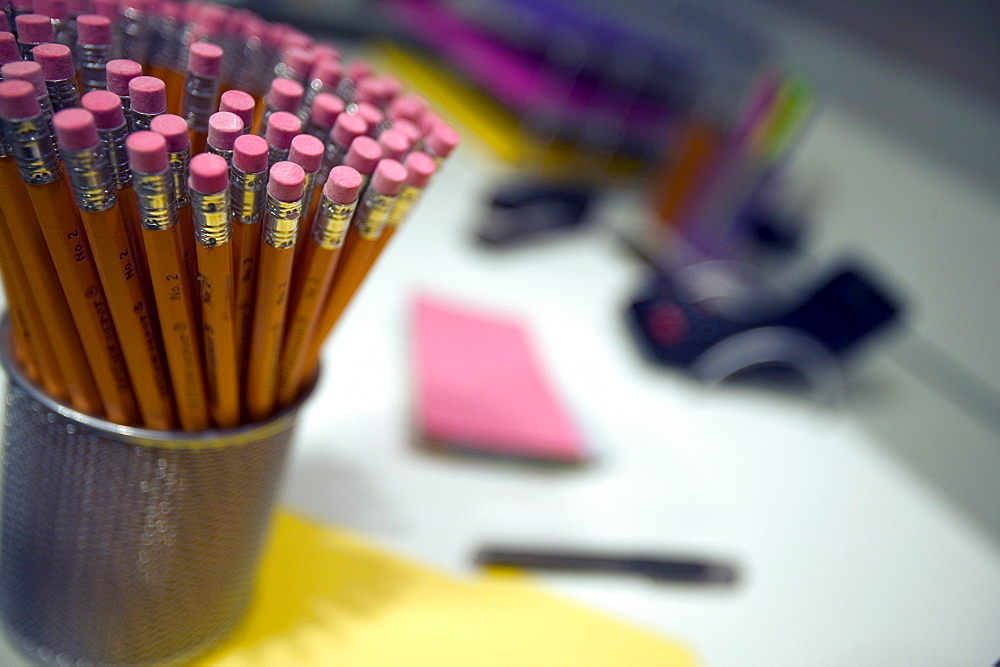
125, 545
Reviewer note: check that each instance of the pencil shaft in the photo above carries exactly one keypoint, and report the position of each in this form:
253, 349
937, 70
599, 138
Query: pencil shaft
270, 309
218, 331
46, 291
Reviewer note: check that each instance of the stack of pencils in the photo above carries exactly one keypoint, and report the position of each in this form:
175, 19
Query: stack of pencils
189, 198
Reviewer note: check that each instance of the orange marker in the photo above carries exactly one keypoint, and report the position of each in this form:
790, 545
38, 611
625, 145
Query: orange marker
316, 265
210, 202
171, 287
117, 265
277, 251
60, 222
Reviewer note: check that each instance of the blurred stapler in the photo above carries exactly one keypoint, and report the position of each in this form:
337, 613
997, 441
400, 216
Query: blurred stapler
524, 210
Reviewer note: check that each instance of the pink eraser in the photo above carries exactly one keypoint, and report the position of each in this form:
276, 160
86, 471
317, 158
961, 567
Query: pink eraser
22, 6
26, 70
120, 72
372, 115
343, 185
442, 140
54, 9
209, 173
285, 95
148, 95
363, 154
281, 129
174, 131
409, 128
4, 25
34, 29
205, 59
329, 72
250, 153
56, 61
389, 177
359, 70
419, 169
391, 86
298, 61
295, 39
286, 181
75, 130
147, 152
347, 128
307, 152
223, 128
480, 386
407, 106
106, 108
327, 50
18, 100
93, 29
370, 90
78, 7
109, 8
325, 109
239, 103
395, 144
8, 48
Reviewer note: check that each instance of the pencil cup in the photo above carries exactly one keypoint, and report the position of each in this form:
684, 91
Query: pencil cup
123, 545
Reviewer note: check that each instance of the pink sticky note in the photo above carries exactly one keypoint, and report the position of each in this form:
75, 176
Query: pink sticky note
479, 386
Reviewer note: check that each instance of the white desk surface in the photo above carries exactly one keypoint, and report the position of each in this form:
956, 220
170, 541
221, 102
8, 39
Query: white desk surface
860, 533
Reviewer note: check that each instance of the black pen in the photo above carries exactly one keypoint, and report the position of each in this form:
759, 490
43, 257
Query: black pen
653, 567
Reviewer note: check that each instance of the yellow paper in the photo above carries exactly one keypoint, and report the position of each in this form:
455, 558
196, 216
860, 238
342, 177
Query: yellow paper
325, 597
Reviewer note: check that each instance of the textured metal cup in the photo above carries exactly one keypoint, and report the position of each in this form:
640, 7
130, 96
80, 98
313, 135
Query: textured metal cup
125, 545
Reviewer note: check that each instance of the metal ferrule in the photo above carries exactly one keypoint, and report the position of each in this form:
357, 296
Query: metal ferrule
333, 155
135, 36
90, 175
64, 30
154, 194
407, 198
307, 195
372, 213
275, 155
245, 73
25, 50
33, 149
142, 121
165, 42
211, 218
127, 109
45, 103
282, 71
200, 94
225, 154
345, 91
247, 192
63, 94
91, 64
332, 220
281, 223
113, 143
321, 133
315, 87
179, 163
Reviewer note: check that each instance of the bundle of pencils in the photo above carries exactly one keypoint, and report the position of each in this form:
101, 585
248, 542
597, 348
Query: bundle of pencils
175, 247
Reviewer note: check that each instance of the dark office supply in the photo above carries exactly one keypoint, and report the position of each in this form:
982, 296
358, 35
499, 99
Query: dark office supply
653, 567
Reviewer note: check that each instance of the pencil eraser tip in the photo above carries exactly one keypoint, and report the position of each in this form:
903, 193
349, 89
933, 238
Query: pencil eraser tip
93, 29
281, 129
327, 71
395, 144
408, 106
347, 128
174, 131
250, 153
209, 174
372, 115
26, 70
343, 185
109, 8
285, 95
363, 154
442, 140
285, 181
239, 103
34, 29
307, 152
148, 95
56, 61
54, 9
409, 128
298, 60
325, 110
106, 108
223, 128
147, 152
75, 130
8, 48
389, 177
205, 59
120, 72
419, 169
18, 100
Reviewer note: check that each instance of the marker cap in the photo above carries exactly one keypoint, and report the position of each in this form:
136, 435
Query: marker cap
147, 152
106, 108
